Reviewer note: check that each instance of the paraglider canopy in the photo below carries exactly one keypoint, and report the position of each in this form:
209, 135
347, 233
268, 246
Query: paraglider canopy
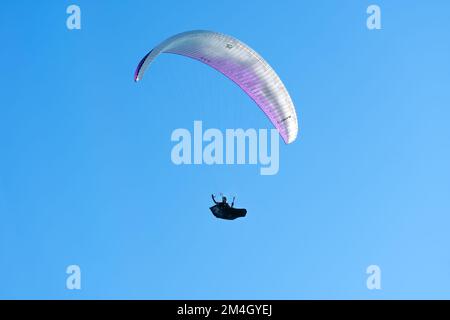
239, 63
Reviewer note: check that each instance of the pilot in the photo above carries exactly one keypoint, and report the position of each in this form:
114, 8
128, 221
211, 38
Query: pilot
224, 202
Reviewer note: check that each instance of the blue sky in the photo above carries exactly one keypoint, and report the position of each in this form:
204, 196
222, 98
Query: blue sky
86, 176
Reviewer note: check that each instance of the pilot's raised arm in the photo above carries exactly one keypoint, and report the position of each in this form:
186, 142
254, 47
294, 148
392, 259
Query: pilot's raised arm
212, 196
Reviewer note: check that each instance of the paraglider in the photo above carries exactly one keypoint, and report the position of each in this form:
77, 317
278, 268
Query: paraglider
223, 210
248, 70
239, 63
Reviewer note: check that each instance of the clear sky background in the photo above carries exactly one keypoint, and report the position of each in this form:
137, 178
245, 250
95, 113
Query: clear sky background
86, 176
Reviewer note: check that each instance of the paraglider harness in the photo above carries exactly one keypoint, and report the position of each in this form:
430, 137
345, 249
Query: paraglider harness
223, 210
